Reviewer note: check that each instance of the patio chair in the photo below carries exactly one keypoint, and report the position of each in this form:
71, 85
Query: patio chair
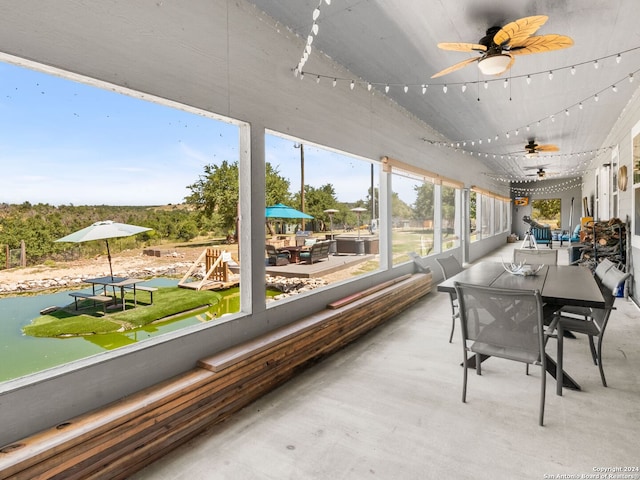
450, 266
277, 257
591, 321
502, 323
535, 257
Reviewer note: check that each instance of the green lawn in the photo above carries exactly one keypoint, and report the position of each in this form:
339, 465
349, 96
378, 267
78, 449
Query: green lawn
168, 302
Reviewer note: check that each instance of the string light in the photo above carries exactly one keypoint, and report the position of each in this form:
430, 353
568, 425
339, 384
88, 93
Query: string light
596, 64
506, 82
424, 89
444, 88
464, 87
406, 89
353, 84
614, 88
369, 86
335, 81
631, 78
386, 88
528, 79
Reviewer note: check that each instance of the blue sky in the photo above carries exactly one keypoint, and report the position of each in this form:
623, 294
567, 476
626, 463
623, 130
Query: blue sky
65, 142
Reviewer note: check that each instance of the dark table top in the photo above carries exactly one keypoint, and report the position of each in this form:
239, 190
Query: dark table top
561, 284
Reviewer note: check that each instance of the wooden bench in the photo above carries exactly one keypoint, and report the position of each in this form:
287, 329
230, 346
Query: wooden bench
121, 438
144, 288
103, 299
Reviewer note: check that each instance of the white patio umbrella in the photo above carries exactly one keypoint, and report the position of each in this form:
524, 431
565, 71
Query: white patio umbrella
104, 230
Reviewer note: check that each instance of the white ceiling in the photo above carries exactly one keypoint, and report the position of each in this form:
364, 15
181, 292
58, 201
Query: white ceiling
394, 42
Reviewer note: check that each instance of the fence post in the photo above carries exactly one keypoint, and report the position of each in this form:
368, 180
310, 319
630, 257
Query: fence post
23, 254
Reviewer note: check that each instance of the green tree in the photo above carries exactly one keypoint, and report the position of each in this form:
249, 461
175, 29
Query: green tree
317, 200
423, 208
216, 193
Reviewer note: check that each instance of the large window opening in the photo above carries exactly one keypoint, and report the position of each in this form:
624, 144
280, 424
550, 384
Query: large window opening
74, 154
338, 196
547, 212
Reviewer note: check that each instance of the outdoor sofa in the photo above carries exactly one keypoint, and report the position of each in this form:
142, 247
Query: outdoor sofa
318, 251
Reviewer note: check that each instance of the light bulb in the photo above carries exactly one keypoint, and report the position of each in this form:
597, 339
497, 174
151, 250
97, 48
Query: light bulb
566, 112
550, 75
314, 28
335, 80
328, 2
386, 88
614, 88
316, 14
424, 89
573, 70
318, 79
444, 89
596, 97
553, 118
464, 87
353, 84
580, 106
309, 39
507, 135
369, 86
618, 58
488, 140
517, 132
528, 128
596, 64
301, 75
528, 79
486, 84
631, 78
406, 89
506, 82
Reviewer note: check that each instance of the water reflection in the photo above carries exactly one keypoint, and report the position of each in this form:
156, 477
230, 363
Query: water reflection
21, 355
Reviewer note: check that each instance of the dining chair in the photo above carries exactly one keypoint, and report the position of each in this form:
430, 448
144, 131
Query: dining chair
502, 323
535, 257
591, 322
450, 266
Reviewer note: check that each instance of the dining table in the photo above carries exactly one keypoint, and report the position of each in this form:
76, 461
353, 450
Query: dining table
121, 283
559, 285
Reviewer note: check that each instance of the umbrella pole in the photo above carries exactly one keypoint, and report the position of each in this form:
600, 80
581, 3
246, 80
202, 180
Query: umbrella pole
109, 257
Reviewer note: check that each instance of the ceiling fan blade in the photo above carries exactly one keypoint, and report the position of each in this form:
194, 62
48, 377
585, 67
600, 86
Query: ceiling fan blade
542, 43
514, 33
455, 67
548, 148
463, 47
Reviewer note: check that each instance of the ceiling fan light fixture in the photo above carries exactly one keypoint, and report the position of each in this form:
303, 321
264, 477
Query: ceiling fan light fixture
494, 64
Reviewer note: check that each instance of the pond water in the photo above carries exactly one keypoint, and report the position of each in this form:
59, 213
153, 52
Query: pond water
21, 354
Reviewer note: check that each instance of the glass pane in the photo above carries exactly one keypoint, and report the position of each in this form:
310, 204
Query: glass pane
473, 230
450, 233
339, 192
75, 154
412, 212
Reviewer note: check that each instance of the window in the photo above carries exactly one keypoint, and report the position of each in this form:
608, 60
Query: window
635, 135
473, 209
313, 179
547, 212
450, 201
76, 153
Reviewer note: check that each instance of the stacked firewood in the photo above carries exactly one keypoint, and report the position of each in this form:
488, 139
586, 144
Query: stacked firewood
604, 240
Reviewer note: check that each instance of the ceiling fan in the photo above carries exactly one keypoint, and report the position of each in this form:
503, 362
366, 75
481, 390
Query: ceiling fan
532, 149
500, 44
541, 172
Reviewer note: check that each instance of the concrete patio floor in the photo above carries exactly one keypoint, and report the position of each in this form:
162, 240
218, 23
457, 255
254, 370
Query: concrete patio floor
389, 407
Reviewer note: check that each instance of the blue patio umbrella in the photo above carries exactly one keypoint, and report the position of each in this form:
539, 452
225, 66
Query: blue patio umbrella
280, 210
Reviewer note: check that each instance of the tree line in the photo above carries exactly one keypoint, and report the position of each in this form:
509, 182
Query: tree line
211, 209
